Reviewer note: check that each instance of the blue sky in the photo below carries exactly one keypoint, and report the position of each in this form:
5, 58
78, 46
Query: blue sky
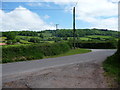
51, 13
56, 13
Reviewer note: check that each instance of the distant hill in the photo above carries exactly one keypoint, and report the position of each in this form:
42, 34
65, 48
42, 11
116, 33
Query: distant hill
67, 32
82, 32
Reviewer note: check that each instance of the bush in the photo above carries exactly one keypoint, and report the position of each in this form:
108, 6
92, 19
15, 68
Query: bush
15, 53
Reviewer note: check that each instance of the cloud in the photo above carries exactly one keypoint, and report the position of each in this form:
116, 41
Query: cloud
22, 19
100, 14
109, 23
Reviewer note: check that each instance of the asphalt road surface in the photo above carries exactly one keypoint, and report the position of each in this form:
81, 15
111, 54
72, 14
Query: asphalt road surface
75, 71
29, 66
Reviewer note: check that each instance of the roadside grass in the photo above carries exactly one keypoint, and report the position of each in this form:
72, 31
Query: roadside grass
71, 52
112, 67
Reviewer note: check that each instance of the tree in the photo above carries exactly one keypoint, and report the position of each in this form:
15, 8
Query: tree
57, 39
34, 40
11, 41
10, 36
41, 35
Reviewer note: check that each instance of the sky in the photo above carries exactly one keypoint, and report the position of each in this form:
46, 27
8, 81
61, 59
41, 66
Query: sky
44, 14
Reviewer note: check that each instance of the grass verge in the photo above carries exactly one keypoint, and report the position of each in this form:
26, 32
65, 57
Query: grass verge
71, 52
112, 68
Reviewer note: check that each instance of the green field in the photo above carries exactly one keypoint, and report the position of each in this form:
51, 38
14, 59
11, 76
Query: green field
26, 37
25, 42
84, 38
98, 36
2, 39
62, 35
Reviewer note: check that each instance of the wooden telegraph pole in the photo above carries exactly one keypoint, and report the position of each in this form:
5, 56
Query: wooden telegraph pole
74, 31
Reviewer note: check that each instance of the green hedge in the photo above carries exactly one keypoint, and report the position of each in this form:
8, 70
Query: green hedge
95, 45
13, 53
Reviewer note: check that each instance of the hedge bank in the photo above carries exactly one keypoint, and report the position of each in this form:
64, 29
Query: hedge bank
94, 45
13, 53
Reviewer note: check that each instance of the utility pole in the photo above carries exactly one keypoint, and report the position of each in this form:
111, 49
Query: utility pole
56, 26
74, 31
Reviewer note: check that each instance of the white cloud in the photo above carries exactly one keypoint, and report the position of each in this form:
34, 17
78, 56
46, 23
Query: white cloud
109, 23
92, 11
21, 19
98, 13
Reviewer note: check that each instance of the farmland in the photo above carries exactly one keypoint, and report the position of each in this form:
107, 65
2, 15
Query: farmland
28, 37
29, 45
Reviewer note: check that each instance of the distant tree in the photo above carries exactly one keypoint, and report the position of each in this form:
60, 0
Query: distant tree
65, 38
41, 35
34, 40
18, 40
9, 42
10, 36
57, 39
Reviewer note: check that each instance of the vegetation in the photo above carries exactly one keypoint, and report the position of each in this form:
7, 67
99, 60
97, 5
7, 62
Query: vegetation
27, 45
94, 44
62, 35
10, 35
71, 52
111, 65
82, 32
13, 53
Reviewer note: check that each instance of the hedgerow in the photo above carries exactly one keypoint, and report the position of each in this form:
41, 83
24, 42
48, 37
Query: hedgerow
94, 44
15, 53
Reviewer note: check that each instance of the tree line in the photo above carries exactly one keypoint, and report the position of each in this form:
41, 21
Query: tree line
65, 32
